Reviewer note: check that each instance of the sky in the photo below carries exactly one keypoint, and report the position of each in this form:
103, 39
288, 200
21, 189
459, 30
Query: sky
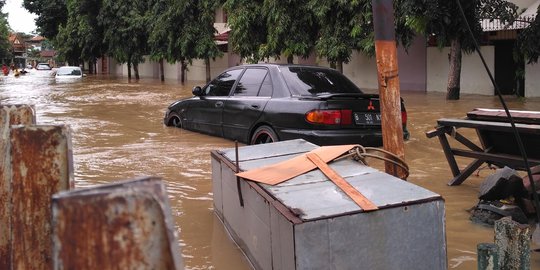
20, 20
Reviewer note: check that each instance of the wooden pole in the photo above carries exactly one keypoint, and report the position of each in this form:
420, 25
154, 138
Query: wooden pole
387, 67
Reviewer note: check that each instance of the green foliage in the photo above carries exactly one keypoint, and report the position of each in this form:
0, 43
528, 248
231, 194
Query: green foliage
125, 29
248, 28
529, 39
5, 46
442, 19
51, 15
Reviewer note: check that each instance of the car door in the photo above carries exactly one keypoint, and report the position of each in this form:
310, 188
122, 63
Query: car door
205, 114
246, 103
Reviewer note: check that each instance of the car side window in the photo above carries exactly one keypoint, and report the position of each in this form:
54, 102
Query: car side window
266, 88
221, 86
250, 83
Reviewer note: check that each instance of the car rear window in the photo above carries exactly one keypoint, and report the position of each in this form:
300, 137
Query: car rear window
314, 81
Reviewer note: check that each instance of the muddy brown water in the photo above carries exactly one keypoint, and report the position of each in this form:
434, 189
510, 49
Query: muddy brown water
118, 134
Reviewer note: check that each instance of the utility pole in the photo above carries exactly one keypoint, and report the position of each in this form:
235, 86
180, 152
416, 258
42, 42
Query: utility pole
387, 67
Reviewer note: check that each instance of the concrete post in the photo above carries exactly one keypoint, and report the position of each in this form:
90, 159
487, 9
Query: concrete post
41, 165
9, 115
488, 256
513, 241
125, 225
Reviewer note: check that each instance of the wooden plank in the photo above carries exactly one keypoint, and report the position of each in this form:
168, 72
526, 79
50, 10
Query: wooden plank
513, 161
461, 177
352, 192
449, 155
487, 125
524, 117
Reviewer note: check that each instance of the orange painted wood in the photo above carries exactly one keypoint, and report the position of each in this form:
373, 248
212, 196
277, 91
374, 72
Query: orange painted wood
283, 171
351, 191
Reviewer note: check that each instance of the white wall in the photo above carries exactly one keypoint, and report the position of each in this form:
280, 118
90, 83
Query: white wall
362, 70
532, 80
197, 70
474, 78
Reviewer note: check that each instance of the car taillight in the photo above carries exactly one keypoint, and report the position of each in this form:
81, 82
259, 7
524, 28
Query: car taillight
330, 117
403, 118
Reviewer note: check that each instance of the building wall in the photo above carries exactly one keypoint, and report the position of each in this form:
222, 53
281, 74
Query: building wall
532, 80
474, 78
362, 70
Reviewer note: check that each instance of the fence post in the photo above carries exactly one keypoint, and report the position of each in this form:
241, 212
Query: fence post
488, 256
41, 165
9, 115
126, 225
513, 240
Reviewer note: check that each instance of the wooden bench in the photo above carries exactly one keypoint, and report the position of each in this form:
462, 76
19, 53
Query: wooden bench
498, 145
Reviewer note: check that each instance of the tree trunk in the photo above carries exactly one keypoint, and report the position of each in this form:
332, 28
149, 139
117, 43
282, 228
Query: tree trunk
340, 66
454, 73
129, 69
161, 70
208, 75
183, 68
290, 59
136, 69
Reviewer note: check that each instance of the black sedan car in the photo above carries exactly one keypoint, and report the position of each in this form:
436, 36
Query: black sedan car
268, 102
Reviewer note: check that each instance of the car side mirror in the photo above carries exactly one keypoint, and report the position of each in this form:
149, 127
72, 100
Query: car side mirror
197, 91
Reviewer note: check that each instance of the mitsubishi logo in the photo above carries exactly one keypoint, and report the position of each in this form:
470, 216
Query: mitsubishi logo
370, 107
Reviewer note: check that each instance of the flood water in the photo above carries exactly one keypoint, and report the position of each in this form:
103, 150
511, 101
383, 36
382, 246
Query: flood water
118, 134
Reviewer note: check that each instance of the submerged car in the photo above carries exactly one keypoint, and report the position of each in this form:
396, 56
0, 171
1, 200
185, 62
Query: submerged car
265, 103
69, 72
43, 66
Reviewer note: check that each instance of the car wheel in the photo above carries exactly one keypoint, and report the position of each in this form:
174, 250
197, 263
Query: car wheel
174, 121
264, 134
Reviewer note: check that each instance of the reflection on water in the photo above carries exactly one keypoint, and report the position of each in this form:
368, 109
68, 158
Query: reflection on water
118, 134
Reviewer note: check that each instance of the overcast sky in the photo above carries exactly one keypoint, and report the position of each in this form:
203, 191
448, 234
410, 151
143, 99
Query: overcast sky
19, 18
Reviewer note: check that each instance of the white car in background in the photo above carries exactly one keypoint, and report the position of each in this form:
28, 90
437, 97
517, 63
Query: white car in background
68, 72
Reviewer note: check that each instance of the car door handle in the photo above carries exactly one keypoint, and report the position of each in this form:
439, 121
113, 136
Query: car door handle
219, 104
255, 106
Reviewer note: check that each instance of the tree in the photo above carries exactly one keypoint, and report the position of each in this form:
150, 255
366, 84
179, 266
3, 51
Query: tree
291, 29
344, 26
442, 19
51, 15
5, 46
125, 31
529, 39
82, 36
248, 27
197, 36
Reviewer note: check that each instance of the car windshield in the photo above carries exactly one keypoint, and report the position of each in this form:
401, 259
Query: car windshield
43, 66
68, 71
315, 81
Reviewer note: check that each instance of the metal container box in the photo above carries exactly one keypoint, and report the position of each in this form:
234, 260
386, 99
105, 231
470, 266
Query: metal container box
309, 223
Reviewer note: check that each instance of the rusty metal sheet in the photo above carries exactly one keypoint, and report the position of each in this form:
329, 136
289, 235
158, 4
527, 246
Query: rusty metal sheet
41, 165
126, 225
9, 115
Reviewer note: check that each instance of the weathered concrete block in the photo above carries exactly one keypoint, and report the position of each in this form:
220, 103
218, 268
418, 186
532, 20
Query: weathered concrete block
488, 256
513, 240
41, 165
125, 225
9, 115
